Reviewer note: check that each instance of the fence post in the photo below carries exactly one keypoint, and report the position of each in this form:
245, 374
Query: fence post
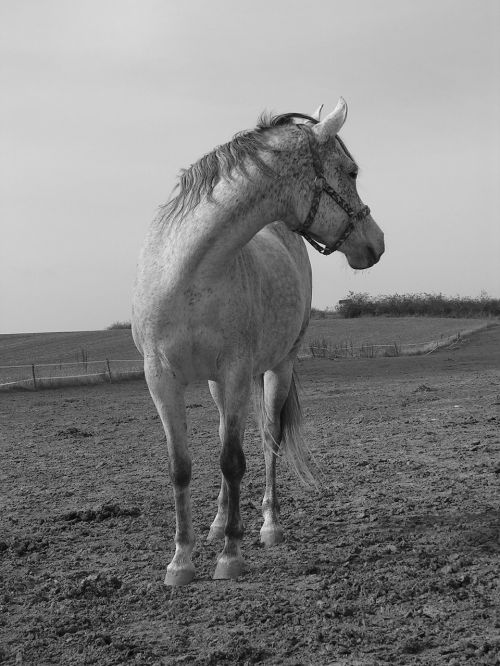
109, 371
34, 376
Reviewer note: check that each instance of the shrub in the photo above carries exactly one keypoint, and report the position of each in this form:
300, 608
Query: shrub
432, 305
316, 313
355, 305
119, 324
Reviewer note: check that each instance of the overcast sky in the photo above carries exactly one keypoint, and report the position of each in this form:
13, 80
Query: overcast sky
103, 101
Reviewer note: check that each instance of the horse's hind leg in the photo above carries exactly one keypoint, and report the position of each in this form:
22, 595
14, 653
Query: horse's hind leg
217, 528
219, 524
276, 388
168, 396
236, 392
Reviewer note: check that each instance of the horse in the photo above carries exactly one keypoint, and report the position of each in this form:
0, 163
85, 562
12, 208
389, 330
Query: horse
223, 293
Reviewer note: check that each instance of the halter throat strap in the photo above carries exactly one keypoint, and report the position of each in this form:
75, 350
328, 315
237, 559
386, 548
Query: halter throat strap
320, 186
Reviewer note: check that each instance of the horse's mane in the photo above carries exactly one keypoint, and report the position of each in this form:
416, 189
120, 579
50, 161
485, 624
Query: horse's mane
200, 179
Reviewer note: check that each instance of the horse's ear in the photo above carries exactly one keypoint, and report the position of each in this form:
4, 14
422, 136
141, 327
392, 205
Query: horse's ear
317, 114
302, 121
332, 124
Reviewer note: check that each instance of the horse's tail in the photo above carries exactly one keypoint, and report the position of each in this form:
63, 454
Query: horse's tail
293, 443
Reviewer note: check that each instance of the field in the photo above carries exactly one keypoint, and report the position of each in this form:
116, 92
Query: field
86, 351
387, 330
393, 561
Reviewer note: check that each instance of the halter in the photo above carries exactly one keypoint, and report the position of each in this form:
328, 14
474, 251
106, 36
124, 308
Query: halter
320, 186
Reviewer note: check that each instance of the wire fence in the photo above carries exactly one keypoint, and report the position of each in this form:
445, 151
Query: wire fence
34, 376
346, 349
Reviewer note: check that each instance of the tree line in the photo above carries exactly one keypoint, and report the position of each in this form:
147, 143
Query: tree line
422, 305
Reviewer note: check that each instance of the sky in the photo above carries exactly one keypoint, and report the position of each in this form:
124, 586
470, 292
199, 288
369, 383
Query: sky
104, 101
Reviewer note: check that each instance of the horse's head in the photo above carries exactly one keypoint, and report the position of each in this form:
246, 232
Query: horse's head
331, 211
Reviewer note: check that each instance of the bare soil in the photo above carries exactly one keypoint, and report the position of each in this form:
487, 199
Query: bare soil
394, 560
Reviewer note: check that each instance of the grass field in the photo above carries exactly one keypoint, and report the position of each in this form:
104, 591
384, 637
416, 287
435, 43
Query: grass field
22, 348
81, 349
85, 353
17, 349
386, 330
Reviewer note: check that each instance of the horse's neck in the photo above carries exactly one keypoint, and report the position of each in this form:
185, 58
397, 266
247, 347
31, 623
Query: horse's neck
211, 235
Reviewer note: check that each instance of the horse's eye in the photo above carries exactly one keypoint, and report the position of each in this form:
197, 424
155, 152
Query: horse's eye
354, 175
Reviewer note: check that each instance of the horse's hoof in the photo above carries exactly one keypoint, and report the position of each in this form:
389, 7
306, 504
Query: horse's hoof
176, 576
215, 534
229, 568
271, 536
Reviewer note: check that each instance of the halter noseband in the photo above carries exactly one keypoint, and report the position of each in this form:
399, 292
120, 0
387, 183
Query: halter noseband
320, 186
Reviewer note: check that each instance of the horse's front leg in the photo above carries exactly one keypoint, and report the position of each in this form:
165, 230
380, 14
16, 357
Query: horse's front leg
236, 389
168, 396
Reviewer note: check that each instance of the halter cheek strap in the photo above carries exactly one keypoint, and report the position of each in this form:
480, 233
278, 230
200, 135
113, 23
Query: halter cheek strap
320, 186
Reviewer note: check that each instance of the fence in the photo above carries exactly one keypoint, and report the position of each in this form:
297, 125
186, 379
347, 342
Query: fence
368, 350
36, 376
347, 350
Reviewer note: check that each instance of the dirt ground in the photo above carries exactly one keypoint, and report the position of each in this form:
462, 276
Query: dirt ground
395, 559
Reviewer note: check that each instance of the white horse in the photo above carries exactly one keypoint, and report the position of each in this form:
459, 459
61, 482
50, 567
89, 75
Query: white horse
223, 293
